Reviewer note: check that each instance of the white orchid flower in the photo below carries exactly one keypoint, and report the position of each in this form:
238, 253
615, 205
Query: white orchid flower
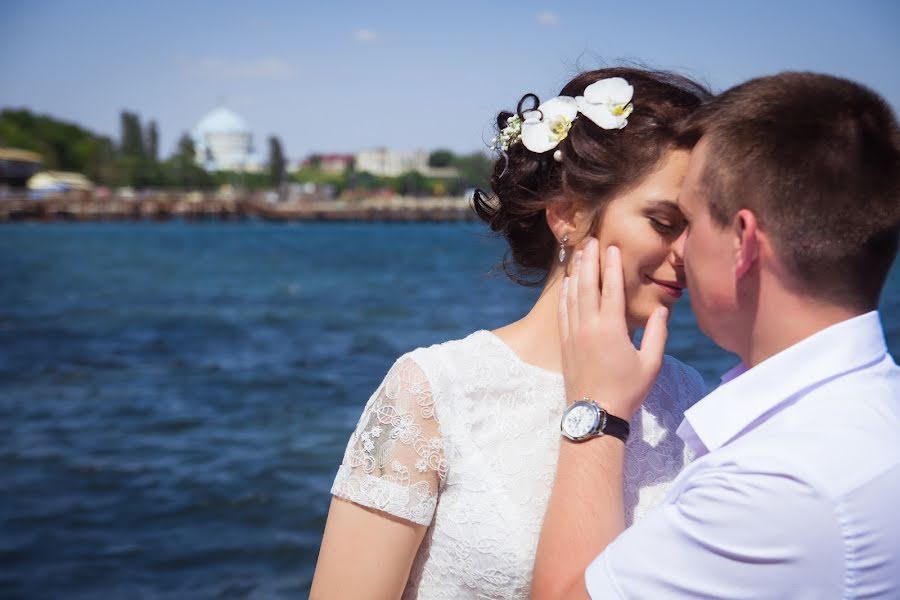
543, 129
607, 102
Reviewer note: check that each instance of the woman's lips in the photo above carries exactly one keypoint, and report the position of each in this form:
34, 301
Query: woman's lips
672, 288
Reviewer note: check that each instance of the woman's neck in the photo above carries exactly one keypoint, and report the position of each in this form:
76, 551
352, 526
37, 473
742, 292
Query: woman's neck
535, 337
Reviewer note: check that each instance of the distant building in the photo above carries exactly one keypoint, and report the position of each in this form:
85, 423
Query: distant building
330, 163
47, 182
224, 142
390, 163
17, 166
335, 163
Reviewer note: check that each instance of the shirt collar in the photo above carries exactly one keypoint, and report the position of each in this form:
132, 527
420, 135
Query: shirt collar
749, 395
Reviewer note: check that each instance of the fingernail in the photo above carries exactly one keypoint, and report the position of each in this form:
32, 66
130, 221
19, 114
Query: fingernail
611, 251
565, 284
578, 257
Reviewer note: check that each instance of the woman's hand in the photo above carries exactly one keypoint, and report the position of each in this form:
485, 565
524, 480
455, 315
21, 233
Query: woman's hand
599, 358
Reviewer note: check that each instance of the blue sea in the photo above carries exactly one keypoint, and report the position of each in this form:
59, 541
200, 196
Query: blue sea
175, 398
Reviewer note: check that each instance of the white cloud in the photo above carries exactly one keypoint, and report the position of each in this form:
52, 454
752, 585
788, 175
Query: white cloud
365, 36
548, 18
222, 68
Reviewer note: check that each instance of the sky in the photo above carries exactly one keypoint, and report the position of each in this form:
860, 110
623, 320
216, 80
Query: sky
343, 76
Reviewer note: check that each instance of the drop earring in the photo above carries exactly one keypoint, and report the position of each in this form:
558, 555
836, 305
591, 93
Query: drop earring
562, 248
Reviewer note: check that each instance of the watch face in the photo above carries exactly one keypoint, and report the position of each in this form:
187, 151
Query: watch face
580, 420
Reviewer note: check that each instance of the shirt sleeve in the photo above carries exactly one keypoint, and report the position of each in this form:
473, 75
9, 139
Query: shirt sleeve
727, 535
394, 461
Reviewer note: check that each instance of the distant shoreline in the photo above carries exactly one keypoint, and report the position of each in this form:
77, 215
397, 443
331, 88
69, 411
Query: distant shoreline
196, 207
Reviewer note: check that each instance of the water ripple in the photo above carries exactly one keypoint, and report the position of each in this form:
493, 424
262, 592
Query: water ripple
175, 399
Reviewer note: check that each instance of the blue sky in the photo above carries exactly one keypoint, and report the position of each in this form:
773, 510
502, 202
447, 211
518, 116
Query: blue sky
342, 76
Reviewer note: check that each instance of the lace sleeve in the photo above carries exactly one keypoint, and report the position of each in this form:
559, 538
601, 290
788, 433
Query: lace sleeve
394, 461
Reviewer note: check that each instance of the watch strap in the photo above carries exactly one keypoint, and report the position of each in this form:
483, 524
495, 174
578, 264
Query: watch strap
617, 427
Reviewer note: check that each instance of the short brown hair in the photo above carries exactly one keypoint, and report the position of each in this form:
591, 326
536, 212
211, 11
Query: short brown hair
817, 159
597, 164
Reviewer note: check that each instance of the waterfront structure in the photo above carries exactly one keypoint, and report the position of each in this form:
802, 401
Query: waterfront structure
16, 166
391, 163
48, 182
223, 142
165, 205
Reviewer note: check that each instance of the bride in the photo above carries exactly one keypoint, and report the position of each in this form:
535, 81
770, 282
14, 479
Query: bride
444, 483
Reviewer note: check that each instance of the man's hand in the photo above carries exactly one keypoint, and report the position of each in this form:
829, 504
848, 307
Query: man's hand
599, 358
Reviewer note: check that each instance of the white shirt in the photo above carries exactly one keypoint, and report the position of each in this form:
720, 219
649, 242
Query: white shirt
463, 437
796, 489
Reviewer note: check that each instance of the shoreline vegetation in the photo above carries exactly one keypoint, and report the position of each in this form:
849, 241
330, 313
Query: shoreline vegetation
51, 170
198, 206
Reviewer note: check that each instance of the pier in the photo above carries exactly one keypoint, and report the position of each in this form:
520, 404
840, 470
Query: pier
196, 206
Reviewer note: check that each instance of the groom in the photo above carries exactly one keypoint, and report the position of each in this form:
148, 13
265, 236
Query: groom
792, 199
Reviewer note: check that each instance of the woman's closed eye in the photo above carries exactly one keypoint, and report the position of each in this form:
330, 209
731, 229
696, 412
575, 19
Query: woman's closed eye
665, 226
665, 217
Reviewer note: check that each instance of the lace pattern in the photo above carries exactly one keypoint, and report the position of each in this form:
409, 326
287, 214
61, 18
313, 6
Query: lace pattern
395, 461
464, 437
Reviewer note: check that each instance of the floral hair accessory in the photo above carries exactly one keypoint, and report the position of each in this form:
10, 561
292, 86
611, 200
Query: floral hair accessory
607, 102
509, 134
544, 128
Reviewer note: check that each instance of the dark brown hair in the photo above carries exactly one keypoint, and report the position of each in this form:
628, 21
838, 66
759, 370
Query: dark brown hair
597, 164
817, 160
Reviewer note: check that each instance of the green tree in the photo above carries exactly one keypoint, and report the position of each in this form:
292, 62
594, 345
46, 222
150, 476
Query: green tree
474, 170
68, 147
183, 169
338, 181
244, 180
152, 141
63, 146
130, 163
413, 183
131, 142
277, 162
97, 157
184, 160
441, 158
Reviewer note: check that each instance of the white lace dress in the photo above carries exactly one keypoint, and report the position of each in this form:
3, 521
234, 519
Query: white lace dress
464, 437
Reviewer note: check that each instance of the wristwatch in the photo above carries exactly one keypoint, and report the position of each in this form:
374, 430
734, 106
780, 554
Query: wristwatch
584, 419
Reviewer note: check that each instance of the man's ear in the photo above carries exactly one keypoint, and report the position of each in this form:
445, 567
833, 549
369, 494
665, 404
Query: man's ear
746, 241
563, 218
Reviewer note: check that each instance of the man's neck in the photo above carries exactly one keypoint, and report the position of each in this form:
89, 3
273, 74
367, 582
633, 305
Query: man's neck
786, 320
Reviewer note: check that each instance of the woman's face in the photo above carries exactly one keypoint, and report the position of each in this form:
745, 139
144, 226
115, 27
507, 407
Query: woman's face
644, 223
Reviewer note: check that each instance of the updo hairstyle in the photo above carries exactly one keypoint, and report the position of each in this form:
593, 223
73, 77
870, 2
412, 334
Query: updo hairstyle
597, 165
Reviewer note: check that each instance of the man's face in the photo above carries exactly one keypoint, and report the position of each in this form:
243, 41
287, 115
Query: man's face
708, 250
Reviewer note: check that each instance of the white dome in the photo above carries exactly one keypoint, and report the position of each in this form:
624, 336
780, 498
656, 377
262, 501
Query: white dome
223, 141
222, 120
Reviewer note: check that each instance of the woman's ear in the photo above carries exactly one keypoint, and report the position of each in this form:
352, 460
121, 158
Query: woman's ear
562, 218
